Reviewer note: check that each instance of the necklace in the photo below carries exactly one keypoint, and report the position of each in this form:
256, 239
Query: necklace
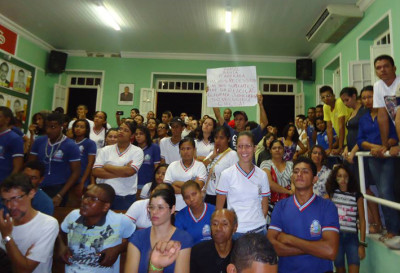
49, 157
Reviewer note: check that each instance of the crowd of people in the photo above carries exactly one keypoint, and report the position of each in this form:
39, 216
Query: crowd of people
207, 195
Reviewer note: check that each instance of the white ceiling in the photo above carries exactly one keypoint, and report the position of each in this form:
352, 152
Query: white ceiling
260, 27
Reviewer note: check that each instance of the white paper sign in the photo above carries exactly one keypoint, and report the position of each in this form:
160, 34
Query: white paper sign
232, 86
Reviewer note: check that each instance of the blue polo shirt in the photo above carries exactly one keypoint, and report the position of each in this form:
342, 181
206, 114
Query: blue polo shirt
368, 130
57, 158
199, 229
306, 222
11, 145
86, 147
151, 157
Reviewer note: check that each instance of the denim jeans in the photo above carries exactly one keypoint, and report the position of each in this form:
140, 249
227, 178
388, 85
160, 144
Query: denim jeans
383, 174
348, 248
123, 202
259, 230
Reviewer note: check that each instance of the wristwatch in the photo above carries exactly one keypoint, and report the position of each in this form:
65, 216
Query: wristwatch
364, 244
6, 239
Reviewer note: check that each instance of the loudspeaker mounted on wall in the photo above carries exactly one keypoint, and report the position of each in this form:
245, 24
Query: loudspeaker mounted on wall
304, 69
57, 62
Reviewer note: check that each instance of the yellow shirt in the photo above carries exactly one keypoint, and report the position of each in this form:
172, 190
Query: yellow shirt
340, 110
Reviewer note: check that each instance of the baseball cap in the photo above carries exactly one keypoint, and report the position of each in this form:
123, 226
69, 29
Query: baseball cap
177, 120
240, 113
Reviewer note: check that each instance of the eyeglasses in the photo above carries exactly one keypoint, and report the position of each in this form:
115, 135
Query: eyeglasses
301, 171
159, 208
326, 96
13, 200
316, 153
91, 199
245, 146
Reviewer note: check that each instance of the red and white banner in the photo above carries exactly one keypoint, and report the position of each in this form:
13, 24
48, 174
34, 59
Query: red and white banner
8, 40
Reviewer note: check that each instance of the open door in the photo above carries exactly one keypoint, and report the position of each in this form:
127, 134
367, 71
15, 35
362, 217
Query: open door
147, 101
298, 104
60, 95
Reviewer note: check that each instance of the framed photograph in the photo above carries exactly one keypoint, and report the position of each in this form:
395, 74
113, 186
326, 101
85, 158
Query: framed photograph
22, 79
125, 94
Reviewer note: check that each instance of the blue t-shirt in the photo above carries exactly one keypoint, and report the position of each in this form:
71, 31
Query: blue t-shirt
322, 139
43, 203
151, 157
86, 147
86, 242
310, 130
57, 158
11, 145
306, 222
141, 240
199, 229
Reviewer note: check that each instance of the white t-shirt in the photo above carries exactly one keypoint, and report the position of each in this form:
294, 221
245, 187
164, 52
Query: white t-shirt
178, 172
169, 151
244, 192
110, 155
41, 233
98, 137
385, 96
202, 148
227, 161
137, 212
145, 193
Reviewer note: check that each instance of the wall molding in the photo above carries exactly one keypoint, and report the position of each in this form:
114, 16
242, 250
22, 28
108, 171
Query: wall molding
25, 33
210, 57
364, 4
318, 50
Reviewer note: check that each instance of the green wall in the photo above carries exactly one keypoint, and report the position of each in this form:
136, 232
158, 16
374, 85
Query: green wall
347, 47
139, 72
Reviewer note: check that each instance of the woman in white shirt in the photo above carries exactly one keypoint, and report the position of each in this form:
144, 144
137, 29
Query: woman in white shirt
138, 212
221, 158
99, 129
246, 189
185, 169
205, 141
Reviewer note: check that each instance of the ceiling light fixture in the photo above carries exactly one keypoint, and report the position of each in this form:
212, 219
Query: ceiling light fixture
107, 17
228, 21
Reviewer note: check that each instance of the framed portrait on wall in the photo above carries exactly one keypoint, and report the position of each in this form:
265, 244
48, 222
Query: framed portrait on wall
125, 94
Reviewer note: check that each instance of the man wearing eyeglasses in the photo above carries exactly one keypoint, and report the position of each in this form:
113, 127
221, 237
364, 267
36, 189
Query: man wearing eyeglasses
336, 115
304, 228
92, 238
27, 235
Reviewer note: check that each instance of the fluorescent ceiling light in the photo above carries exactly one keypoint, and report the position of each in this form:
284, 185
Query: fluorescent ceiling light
107, 17
228, 21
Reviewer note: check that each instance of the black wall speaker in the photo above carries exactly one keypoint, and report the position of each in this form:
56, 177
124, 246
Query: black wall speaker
304, 69
57, 62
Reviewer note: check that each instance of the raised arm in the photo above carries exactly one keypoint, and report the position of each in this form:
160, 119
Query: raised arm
263, 114
218, 117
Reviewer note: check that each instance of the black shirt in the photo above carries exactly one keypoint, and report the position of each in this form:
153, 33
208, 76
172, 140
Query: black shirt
204, 258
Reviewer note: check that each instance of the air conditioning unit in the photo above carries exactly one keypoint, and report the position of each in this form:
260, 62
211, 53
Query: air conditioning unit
334, 23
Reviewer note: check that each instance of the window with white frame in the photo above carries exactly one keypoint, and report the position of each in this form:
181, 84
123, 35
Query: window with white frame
360, 74
383, 39
181, 85
278, 87
84, 80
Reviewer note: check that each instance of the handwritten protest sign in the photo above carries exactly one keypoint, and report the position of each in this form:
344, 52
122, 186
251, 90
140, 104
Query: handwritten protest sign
232, 86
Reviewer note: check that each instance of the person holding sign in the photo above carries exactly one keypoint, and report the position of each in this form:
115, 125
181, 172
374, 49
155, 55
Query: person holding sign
241, 121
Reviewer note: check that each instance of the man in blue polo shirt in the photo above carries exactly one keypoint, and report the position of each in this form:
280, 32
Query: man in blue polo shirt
304, 228
11, 146
61, 158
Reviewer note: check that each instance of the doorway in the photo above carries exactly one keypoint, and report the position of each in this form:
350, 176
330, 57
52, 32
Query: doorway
85, 96
177, 103
280, 110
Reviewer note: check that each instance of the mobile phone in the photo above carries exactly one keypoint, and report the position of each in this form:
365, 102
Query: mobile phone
101, 257
120, 113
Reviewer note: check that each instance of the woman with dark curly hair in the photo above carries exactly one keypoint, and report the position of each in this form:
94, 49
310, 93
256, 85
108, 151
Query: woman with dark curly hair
291, 139
342, 189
